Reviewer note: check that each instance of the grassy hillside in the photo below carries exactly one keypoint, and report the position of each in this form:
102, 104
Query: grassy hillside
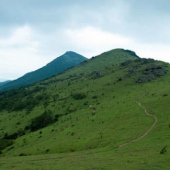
88, 112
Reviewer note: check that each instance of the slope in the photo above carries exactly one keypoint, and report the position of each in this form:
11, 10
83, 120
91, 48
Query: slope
67, 60
5, 82
94, 111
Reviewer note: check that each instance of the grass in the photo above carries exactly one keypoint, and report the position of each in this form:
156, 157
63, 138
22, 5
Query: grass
88, 137
130, 157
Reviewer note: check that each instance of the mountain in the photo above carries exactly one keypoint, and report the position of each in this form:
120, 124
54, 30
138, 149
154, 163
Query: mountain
4, 82
109, 112
67, 60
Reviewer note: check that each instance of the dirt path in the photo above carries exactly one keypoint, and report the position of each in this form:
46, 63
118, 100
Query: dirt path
142, 136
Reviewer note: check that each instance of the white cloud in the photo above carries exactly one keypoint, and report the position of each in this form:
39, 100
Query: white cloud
20, 36
155, 51
92, 40
19, 53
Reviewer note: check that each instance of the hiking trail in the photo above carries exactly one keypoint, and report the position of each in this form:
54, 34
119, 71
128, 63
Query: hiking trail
142, 136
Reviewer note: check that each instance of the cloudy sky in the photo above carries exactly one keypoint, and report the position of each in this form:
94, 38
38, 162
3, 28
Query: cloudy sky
34, 32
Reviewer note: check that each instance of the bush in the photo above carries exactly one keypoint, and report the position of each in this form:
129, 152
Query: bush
163, 150
78, 96
42, 121
5, 143
56, 118
22, 154
14, 135
94, 97
47, 150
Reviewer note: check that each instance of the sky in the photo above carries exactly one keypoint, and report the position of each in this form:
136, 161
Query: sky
35, 32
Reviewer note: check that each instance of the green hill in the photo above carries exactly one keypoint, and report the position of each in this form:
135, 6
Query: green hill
109, 112
66, 61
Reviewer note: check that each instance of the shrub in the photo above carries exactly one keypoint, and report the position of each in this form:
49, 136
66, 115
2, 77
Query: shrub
56, 118
78, 96
72, 149
86, 103
94, 97
22, 154
14, 135
47, 150
42, 121
73, 133
163, 150
5, 143
12, 147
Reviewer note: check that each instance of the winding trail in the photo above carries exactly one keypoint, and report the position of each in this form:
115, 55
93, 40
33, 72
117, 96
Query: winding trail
142, 136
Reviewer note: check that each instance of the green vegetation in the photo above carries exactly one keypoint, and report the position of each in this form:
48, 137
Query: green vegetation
41, 121
5, 143
79, 96
83, 116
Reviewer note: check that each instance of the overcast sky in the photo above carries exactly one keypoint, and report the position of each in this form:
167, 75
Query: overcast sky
34, 32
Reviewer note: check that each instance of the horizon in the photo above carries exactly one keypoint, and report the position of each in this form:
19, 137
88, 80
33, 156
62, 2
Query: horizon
33, 33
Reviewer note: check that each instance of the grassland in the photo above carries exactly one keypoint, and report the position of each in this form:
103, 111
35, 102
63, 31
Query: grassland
98, 112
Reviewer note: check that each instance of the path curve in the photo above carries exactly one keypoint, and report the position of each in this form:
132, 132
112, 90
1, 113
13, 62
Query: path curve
142, 136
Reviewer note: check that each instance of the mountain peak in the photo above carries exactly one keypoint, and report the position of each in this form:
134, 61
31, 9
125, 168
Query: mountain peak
58, 65
70, 52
